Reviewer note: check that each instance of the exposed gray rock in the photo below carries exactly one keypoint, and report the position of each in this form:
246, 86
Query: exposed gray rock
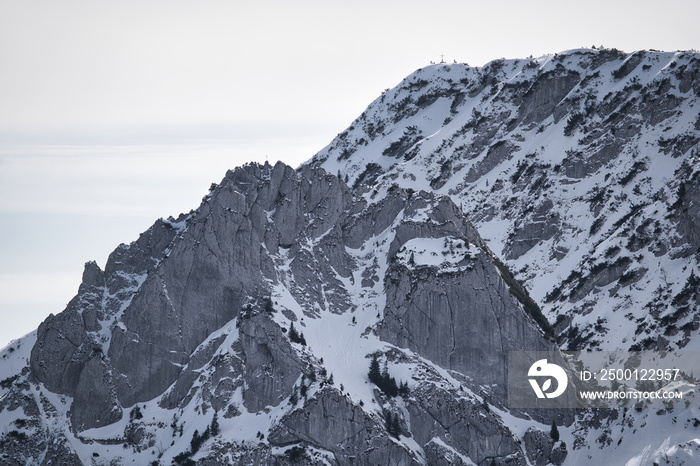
686, 210
546, 92
437, 454
195, 278
468, 428
180, 393
497, 154
542, 450
94, 402
465, 320
333, 423
542, 224
272, 366
53, 361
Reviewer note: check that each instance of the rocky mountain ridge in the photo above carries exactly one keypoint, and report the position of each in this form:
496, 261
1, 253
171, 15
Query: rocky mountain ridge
265, 306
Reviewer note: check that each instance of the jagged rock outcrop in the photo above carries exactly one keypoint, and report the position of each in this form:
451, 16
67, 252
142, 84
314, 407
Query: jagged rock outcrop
186, 289
686, 208
334, 423
272, 367
542, 449
461, 426
438, 454
463, 320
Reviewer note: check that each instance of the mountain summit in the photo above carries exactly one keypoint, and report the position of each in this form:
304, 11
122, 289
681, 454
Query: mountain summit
581, 169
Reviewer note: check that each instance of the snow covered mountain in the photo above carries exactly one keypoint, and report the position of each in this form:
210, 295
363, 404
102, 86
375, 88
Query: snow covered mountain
580, 169
299, 317
266, 306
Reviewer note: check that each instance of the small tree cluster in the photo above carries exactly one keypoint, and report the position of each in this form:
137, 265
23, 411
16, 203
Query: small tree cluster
183, 459
267, 305
572, 122
384, 381
197, 440
311, 375
295, 336
296, 454
135, 414
132, 429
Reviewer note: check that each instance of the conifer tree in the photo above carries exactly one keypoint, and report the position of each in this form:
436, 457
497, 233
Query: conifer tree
374, 374
267, 303
388, 383
293, 334
395, 426
554, 433
214, 426
195, 442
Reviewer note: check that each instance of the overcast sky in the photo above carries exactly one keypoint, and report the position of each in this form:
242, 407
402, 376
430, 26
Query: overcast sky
113, 114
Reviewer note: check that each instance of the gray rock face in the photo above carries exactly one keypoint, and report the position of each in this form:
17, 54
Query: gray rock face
95, 403
495, 155
542, 450
272, 366
332, 422
56, 361
466, 428
687, 210
67, 343
542, 225
463, 320
437, 454
178, 283
228, 369
546, 93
